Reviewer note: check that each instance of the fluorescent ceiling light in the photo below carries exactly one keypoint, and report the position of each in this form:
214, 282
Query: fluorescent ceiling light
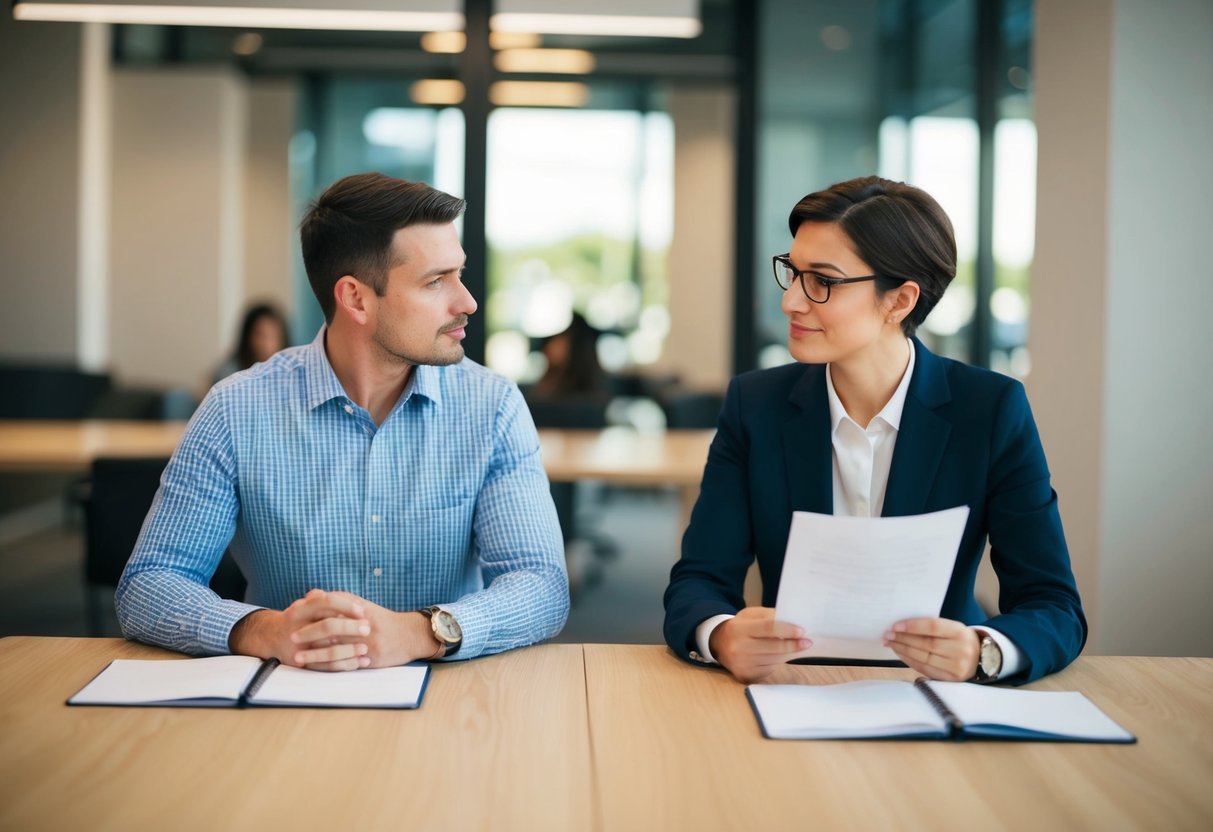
514, 40
436, 91
444, 42
539, 94
373, 15
634, 18
561, 61
599, 24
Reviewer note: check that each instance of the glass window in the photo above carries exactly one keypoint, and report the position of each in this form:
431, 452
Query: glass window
1014, 194
848, 89
580, 212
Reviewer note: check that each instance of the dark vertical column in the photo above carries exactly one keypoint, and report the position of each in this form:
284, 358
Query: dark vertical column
476, 72
746, 51
989, 80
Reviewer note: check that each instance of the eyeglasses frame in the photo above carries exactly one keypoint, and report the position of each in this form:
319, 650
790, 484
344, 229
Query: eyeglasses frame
785, 260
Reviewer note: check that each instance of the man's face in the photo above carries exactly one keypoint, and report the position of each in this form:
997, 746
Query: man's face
421, 317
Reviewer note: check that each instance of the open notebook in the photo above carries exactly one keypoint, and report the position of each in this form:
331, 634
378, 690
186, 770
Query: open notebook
233, 681
924, 709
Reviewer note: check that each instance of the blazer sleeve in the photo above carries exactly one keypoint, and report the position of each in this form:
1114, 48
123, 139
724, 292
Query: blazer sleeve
717, 547
1038, 599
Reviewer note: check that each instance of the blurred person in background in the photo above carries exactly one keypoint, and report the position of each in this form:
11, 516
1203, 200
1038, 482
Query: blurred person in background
263, 332
573, 368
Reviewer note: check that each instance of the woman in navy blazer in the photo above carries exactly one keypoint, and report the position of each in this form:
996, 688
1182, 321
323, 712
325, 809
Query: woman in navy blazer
869, 260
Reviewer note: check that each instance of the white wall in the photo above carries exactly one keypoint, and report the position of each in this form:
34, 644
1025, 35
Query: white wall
1156, 564
39, 168
269, 229
1120, 383
140, 210
176, 251
200, 213
700, 344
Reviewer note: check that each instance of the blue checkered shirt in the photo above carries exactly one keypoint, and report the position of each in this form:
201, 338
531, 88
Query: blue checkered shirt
444, 503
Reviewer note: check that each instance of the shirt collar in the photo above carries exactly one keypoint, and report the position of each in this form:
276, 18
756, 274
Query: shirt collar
890, 414
323, 386
321, 381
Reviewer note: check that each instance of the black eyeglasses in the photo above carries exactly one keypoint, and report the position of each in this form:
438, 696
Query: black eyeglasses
816, 286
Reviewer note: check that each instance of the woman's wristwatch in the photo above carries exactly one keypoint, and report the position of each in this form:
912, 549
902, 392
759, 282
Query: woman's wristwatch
989, 659
445, 628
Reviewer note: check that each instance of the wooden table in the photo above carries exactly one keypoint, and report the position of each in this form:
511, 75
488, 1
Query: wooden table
580, 737
71, 447
677, 747
500, 743
617, 455
621, 456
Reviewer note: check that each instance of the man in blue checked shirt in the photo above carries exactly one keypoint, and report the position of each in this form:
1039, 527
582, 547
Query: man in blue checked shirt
383, 495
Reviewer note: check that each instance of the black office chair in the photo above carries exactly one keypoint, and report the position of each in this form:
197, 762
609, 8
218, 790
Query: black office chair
691, 409
574, 412
118, 497
579, 412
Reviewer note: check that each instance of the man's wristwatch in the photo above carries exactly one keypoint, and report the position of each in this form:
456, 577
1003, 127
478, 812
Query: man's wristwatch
445, 628
989, 659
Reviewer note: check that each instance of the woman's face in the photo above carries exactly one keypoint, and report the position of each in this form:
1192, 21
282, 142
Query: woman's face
851, 320
266, 338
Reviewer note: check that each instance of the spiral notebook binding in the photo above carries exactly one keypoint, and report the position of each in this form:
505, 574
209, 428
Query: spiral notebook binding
955, 726
254, 685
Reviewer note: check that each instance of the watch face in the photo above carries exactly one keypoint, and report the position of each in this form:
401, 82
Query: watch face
991, 657
447, 627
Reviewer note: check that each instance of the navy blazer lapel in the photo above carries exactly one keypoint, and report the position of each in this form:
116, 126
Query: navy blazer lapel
921, 439
808, 453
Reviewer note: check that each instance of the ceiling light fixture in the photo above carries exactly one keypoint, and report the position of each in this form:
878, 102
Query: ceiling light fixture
539, 94
556, 61
630, 18
444, 42
436, 91
371, 15
514, 40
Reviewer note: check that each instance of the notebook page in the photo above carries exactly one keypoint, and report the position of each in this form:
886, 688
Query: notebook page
853, 709
133, 681
386, 687
1059, 713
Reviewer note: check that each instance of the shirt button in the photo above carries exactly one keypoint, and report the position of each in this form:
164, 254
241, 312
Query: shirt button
374, 518
349, 409
694, 655
376, 571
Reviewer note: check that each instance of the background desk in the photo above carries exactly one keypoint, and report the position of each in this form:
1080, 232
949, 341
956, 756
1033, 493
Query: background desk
580, 737
616, 455
71, 447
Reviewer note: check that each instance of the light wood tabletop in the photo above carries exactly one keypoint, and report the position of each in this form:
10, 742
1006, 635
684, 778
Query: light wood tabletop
678, 747
499, 743
601, 737
617, 455
626, 457
71, 447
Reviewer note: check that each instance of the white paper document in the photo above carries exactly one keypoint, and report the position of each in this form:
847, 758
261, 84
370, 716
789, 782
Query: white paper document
846, 580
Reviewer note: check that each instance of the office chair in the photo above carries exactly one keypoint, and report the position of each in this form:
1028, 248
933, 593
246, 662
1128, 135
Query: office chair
118, 498
691, 409
578, 411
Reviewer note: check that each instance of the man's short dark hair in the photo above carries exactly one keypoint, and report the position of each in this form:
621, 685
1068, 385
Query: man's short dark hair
897, 229
349, 229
